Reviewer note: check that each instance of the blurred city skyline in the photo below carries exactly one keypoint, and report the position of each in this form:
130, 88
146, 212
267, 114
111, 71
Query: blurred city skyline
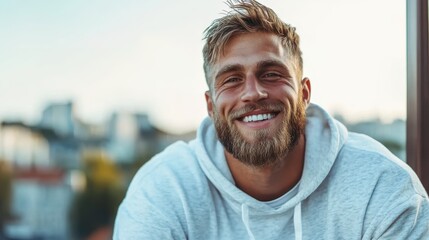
146, 57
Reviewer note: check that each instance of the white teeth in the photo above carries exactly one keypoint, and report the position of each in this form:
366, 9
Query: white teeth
258, 117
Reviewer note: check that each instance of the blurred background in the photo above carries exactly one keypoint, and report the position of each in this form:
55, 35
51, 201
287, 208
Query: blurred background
89, 91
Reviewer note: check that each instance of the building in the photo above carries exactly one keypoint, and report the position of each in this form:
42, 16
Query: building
24, 146
60, 117
40, 205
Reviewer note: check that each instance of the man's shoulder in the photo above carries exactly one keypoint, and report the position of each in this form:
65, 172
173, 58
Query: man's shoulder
363, 149
365, 144
368, 159
165, 189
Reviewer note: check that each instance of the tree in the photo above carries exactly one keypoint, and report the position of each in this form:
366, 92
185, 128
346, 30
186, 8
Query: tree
96, 206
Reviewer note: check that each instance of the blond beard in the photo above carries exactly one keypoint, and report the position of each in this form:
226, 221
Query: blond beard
264, 150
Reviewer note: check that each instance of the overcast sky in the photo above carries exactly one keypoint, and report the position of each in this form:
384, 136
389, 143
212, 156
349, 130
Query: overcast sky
145, 56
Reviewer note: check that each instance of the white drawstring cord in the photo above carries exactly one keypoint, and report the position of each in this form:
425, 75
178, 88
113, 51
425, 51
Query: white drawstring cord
245, 219
297, 221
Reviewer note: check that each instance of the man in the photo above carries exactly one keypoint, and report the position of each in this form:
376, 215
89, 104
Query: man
267, 164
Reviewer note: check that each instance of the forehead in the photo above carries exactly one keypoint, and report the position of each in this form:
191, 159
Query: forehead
249, 49
251, 43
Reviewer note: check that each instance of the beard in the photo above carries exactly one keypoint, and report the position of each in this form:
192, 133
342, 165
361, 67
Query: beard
266, 148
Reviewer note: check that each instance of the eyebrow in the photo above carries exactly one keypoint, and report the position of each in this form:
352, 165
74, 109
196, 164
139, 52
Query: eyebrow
272, 63
229, 68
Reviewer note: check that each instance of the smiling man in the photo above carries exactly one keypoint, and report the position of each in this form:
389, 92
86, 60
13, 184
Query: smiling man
266, 163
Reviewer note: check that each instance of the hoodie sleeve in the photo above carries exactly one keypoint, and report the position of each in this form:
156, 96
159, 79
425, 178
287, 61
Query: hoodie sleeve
407, 219
148, 224
153, 205
148, 212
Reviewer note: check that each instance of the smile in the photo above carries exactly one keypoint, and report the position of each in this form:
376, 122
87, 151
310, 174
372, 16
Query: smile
258, 117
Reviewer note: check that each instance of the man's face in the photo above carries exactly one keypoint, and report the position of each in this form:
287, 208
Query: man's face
256, 101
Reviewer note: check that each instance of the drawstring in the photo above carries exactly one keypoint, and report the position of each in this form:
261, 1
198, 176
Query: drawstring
245, 219
297, 221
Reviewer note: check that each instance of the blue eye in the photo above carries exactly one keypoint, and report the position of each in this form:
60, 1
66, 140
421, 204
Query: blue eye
271, 76
232, 80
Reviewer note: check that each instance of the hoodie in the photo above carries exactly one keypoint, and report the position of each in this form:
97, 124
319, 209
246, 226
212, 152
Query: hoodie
351, 188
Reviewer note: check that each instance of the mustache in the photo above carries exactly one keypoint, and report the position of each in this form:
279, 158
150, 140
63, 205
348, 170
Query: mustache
264, 106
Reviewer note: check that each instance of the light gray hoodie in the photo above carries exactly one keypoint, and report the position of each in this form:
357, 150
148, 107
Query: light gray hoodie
351, 188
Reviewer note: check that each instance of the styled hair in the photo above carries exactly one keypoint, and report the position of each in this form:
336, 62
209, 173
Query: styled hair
248, 16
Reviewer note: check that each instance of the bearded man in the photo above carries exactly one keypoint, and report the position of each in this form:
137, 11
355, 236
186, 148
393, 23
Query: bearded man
267, 163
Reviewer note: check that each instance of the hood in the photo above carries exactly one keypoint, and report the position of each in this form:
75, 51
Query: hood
324, 137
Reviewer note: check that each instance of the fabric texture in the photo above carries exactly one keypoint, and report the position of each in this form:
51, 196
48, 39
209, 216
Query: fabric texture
352, 187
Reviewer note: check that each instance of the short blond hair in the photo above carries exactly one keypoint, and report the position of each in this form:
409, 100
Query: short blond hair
248, 16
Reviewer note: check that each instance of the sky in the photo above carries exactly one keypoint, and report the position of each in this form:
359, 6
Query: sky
145, 56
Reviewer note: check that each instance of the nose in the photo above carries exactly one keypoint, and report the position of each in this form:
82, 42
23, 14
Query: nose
253, 91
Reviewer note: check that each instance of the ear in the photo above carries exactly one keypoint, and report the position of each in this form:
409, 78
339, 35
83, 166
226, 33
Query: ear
209, 103
306, 90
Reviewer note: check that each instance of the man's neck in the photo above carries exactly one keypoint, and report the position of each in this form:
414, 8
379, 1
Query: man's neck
271, 182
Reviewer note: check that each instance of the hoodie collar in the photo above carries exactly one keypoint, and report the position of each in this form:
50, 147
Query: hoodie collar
325, 137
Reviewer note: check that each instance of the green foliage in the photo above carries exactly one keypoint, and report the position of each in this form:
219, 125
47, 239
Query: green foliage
5, 193
96, 206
